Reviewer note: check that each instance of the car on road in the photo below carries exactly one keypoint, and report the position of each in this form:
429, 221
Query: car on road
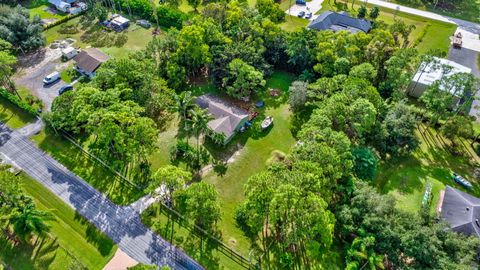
308, 16
65, 88
301, 14
51, 78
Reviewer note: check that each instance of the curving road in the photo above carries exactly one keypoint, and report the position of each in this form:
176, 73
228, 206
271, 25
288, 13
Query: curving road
121, 223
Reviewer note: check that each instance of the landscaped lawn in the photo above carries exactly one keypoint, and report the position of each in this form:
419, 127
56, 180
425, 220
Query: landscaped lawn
94, 173
110, 42
13, 116
71, 238
436, 34
72, 231
405, 178
37, 7
293, 23
466, 10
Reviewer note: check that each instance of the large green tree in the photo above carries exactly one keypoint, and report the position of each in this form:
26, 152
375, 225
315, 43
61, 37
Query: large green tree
16, 27
243, 80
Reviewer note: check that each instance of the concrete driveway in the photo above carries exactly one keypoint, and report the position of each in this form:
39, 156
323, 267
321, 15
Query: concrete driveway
313, 6
34, 67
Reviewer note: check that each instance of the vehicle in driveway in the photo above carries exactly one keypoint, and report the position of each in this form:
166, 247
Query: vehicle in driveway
51, 78
301, 14
308, 16
65, 88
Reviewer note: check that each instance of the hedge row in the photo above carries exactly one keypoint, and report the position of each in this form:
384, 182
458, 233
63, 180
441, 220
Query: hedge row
167, 16
17, 101
62, 20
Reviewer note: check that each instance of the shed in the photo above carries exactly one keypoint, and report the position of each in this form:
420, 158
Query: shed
69, 52
119, 23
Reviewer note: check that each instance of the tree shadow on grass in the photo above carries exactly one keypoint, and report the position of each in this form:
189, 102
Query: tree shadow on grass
102, 242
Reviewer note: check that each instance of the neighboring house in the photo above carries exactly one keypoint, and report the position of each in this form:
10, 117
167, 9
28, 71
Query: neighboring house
337, 21
461, 211
427, 74
89, 60
228, 119
62, 5
119, 23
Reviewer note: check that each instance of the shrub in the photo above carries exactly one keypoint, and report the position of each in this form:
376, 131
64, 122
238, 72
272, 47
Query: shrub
17, 101
171, 17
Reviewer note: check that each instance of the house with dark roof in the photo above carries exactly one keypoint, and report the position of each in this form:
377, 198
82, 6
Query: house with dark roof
337, 21
89, 60
461, 210
227, 118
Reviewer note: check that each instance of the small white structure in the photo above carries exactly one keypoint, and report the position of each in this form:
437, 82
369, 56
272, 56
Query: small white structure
119, 23
79, 7
69, 52
61, 5
428, 73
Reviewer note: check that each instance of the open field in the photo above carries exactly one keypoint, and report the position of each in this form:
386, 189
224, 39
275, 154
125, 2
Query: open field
91, 34
71, 241
466, 10
405, 178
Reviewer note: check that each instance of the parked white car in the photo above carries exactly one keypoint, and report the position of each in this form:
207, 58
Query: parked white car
51, 78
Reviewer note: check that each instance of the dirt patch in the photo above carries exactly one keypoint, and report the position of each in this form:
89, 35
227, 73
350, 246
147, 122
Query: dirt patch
120, 261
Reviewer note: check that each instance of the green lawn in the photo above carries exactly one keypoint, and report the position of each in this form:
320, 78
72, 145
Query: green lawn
95, 174
293, 23
71, 240
80, 237
405, 178
37, 7
13, 116
436, 34
90, 34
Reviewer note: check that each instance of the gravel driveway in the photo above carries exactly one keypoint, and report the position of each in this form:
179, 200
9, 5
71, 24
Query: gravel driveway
34, 67
313, 6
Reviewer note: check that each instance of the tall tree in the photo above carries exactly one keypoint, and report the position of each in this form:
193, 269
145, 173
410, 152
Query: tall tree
27, 220
243, 80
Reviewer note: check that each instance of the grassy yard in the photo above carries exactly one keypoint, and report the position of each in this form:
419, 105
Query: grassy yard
293, 23
429, 34
95, 174
13, 116
405, 178
72, 239
91, 34
466, 10
38, 7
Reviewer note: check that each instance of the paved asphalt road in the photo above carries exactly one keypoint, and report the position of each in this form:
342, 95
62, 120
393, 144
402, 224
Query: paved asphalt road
121, 223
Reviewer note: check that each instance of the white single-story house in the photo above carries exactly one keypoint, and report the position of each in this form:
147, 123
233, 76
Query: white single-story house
428, 73
89, 60
69, 52
228, 118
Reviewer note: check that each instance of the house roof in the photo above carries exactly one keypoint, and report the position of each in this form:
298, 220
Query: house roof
462, 211
335, 21
435, 71
90, 59
59, 3
119, 20
227, 117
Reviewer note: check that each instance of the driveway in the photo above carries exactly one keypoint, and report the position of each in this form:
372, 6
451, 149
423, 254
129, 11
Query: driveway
121, 223
313, 6
34, 67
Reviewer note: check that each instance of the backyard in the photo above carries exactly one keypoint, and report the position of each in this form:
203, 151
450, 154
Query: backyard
13, 116
72, 240
405, 178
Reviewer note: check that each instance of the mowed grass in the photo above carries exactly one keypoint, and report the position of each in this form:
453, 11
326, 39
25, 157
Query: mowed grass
431, 34
13, 116
112, 43
255, 148
293, 23
92, 172
72, 231
405, 178
38, 7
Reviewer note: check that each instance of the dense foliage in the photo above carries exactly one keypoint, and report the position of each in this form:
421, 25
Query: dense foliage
16, 27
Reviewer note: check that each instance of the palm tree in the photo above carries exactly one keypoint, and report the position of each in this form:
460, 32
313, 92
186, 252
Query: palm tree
27, 220
184, 104
361, 255
199, 120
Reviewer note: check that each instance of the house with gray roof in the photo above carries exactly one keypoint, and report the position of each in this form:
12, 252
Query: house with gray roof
89, 60
337, 21
461, 210
227, 118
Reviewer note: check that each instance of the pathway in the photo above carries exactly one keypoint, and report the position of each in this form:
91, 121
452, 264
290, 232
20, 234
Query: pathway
121, 223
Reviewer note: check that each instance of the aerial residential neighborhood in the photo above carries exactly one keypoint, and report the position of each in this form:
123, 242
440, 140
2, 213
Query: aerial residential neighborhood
259, 134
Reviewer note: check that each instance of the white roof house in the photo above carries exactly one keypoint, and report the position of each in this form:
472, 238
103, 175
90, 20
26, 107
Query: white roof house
60, 5
432, 72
